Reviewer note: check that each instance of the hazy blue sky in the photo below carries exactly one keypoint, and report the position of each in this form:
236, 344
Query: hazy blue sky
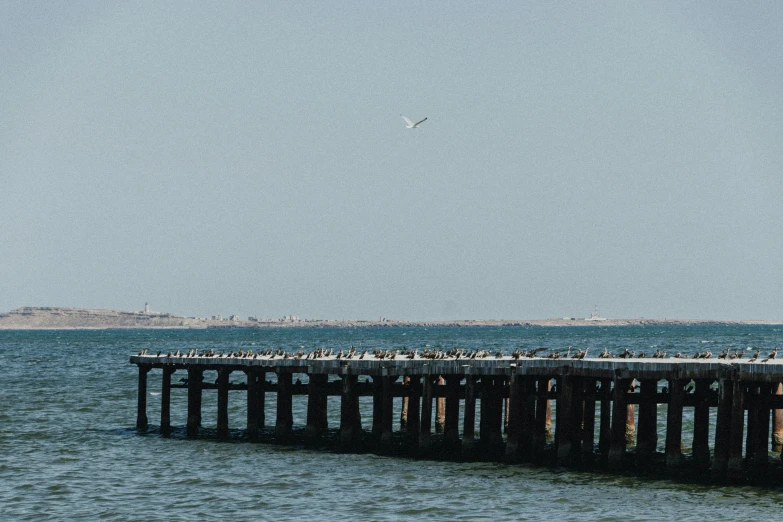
249, 158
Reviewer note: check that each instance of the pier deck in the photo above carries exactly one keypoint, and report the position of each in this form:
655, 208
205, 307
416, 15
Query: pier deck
602, 406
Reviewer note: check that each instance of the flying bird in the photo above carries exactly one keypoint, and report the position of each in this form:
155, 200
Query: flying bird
410, 125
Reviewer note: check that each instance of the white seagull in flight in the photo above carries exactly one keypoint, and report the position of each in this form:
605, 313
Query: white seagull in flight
410, 125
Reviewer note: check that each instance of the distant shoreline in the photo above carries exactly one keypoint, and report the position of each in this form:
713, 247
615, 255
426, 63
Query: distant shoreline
59, 318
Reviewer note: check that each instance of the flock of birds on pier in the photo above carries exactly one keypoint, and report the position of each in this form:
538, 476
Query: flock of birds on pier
454, 353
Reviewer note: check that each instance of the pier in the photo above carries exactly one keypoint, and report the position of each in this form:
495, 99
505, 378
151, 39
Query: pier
581, 413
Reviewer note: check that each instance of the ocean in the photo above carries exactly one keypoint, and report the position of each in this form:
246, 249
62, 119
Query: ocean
69, 450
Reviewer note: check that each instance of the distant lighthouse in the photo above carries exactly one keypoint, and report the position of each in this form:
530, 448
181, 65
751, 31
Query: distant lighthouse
146, 308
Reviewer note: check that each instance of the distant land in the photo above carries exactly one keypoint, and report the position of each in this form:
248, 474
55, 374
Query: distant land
53, 318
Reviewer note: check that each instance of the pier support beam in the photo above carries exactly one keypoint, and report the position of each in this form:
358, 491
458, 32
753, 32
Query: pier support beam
514, 420
425, 432
734, 467
617, 441
413, 423
506, 405
222, 403
549, 431
674, 424
285, 419
647, 440
723, 429
630, 421
469, 419
141, 410
701, 424
440, 409
165, 400
528, 390
451, 425
195, 376
752, 396
350, 422
542, 410
577, 418
498, 410
387, 408
777, 422
605, 426
759, 462
404, 411
317, 407
491, 417
255, 403
564, 428
588, 422
377, 408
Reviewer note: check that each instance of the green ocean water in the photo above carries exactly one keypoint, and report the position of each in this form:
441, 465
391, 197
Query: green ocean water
68, 449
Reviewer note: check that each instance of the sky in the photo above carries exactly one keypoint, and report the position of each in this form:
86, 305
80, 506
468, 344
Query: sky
249, 158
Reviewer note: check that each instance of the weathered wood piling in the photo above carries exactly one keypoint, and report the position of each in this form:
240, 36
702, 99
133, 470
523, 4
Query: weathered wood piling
510, 401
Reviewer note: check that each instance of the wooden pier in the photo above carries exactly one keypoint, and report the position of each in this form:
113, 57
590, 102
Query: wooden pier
602, 407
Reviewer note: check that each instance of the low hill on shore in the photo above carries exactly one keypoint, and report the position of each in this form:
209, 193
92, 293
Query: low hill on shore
42, 318
56, 318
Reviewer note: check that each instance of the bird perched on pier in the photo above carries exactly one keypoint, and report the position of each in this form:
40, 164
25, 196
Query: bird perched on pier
736, 354
625, 354
605, 354
771, 355
755, 356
